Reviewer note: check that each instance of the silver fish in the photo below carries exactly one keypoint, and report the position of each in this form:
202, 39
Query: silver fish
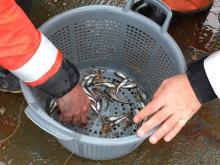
112, 93
89, 76
89, 81
106, 84
53, 105
119, 74
106, 119
95, 110
101, 70
98, 106
136, 111
142, 95
86, 91
103, 94
140, 104
90, 89
120, 120
112, 119
83, 83
130, 86
123, 82
92, 99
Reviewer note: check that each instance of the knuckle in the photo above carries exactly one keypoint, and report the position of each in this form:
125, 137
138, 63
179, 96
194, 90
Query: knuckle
85, 108
166, 128
77, 113
144, 126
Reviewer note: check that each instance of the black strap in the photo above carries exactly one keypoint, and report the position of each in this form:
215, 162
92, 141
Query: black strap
200, 82
63, 81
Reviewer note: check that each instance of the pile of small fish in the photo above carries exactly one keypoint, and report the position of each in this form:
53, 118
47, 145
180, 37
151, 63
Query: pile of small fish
101, 91
104, 93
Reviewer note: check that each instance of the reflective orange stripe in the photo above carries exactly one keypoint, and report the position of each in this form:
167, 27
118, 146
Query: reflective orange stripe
186, 5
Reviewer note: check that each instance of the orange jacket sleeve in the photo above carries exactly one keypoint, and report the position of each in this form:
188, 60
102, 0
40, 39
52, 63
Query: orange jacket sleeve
24, 50
186, 5
29, 55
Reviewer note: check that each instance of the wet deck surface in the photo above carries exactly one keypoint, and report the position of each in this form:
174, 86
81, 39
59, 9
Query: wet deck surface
22, 142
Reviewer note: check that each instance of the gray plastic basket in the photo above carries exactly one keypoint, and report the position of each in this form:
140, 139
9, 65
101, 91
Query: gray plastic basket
111, 37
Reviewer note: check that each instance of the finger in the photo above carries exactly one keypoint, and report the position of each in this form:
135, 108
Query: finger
65, 118
154, 121
175, 130
151, 108
88, 107
84, 119
167, 126
76, 119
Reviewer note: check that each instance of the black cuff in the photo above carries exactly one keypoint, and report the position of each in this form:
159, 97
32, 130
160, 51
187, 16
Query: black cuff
199, 81
63, 81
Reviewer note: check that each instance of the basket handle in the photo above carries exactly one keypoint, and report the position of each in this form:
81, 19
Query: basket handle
41, 119
161, 6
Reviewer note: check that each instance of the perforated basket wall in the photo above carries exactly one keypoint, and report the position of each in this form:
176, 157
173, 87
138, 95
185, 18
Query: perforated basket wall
122, 40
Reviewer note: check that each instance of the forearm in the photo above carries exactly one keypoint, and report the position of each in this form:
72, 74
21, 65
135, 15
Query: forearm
204, 77
29, 55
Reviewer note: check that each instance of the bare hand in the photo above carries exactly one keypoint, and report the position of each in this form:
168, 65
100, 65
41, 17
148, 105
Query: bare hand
174, 103
74, 106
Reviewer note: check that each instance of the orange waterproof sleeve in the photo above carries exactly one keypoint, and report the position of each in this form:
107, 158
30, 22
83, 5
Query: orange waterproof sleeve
24, 50
186, 5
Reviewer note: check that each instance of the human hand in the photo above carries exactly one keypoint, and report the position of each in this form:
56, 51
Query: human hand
174, 103
74, 106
